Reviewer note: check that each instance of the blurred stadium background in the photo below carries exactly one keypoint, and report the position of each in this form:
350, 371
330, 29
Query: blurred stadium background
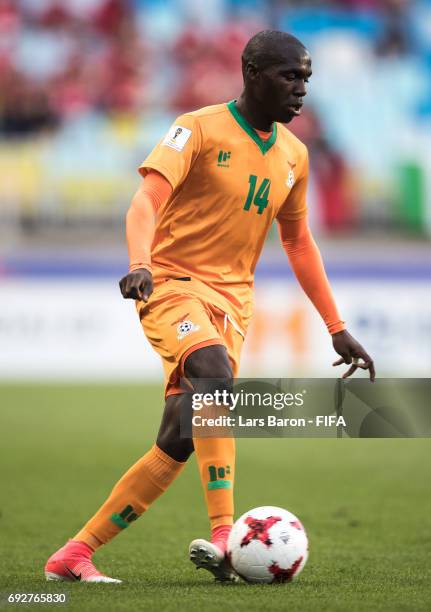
86, 89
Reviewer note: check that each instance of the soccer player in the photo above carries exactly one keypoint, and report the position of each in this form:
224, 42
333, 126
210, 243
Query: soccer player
211, 189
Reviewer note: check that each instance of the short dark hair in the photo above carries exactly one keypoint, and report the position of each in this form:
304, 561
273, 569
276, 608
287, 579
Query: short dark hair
267, 48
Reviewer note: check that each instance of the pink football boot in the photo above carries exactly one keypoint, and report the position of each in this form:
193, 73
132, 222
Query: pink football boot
73, 563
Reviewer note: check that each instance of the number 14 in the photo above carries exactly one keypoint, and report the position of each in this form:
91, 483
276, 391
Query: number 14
261, 198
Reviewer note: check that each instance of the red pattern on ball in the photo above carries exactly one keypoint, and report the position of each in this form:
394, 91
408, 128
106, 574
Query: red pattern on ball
258, 530
284, 575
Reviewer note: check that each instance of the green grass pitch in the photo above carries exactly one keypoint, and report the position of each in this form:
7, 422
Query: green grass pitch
365, 505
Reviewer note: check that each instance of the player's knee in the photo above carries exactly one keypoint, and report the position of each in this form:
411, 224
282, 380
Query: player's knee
178, 448
208, 362
209, 370
169, 438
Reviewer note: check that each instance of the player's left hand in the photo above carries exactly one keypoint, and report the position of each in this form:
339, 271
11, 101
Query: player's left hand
351, 351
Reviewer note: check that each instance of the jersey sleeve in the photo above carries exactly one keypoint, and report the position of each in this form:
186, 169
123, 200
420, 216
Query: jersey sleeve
175, 154
295, 206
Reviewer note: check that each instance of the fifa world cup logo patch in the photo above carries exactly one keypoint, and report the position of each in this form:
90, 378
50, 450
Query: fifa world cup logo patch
177, 137
185, 328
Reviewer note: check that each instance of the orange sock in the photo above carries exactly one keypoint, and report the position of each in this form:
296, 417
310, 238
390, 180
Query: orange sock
142, 484
216, 461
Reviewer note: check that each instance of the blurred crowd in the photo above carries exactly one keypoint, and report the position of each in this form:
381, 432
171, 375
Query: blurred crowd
65, 60
59, 58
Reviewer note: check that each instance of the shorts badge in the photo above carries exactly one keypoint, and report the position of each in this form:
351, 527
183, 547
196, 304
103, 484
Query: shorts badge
185, 328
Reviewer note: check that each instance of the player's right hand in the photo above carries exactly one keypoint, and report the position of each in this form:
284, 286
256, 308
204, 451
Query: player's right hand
137, 285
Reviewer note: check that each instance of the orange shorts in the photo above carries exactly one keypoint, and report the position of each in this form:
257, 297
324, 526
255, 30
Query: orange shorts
178, 322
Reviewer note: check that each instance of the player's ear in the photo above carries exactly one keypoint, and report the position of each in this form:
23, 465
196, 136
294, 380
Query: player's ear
251, 70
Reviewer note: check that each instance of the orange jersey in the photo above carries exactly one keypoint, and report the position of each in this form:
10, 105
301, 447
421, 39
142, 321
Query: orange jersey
228, 187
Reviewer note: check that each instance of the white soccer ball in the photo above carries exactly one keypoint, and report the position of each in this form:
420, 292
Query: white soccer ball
268, 545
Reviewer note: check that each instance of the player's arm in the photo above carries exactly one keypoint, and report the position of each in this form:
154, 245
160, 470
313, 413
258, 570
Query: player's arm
153, 192
164, 170
307, 264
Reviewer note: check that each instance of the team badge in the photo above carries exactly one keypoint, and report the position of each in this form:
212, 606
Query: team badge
185, 328
291, 176
290, 179
177, 137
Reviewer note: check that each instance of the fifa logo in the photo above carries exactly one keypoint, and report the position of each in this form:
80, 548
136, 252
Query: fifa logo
177, 137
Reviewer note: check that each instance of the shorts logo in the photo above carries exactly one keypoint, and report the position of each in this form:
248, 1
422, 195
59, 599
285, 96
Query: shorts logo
185, 328
177, 137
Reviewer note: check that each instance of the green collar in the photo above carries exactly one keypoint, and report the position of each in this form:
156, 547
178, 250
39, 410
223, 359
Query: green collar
264, 145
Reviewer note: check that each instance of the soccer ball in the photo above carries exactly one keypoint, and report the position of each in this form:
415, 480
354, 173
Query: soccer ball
268, 545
